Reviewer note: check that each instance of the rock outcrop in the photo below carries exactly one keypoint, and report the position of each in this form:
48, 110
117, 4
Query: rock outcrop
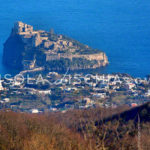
27, 49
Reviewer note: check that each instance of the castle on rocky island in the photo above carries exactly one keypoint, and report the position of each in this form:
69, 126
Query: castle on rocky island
27, 48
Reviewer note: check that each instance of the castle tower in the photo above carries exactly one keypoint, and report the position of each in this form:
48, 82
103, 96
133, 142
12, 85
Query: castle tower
20, 27
36, 40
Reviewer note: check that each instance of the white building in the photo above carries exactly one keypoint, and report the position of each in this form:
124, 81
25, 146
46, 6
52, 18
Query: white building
1, 87
148, 93
48, 92
35, 111
6, 100
130, 85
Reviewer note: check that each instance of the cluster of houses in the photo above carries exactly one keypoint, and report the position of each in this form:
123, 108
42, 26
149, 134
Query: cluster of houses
98, 90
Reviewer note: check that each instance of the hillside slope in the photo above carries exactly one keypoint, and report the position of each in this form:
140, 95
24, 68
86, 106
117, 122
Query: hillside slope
91, 129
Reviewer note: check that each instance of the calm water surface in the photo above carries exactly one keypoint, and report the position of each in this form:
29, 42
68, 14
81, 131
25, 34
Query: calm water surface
120, 28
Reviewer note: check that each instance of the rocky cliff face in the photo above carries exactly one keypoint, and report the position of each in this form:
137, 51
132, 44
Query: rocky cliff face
27, 49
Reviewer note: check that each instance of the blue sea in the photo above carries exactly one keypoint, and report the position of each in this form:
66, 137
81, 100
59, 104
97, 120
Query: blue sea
120, 28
